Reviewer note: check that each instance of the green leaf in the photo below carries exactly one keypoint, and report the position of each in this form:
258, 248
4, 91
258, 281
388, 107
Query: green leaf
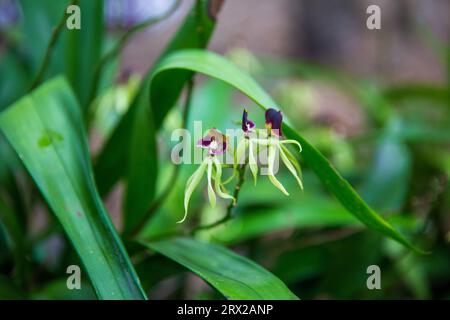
215, 66
76, 52
13, 78
82, 49
142, 164
38, 20
232, 275
131, 150
46, 130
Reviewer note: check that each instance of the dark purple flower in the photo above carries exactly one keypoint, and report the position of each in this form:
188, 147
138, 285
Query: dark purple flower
274, 120
247, 125
215, 141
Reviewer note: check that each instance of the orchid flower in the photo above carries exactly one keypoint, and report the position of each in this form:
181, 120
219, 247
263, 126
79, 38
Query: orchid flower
216, 144
274, 121
247, 143
270, 139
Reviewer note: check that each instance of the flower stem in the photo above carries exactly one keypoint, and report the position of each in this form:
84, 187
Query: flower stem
51, 45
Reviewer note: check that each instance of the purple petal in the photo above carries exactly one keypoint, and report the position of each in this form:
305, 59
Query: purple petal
247, 125
274, 120
219, 147
224, 146
204, 142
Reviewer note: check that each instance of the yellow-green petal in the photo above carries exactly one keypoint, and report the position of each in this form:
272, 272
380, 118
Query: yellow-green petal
211, 194
292, 159
292, 142
191, 184
217, 181
290, 166
252, 161
240, 152
271, 161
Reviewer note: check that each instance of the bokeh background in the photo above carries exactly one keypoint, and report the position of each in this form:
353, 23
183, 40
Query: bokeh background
375, 102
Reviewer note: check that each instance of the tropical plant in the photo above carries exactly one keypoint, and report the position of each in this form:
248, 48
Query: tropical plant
58, 93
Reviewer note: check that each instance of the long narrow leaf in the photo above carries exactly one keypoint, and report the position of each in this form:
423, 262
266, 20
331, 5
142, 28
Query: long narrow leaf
232, 275
82, 49
46, 130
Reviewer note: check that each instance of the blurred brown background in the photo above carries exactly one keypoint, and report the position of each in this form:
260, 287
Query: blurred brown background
331, 32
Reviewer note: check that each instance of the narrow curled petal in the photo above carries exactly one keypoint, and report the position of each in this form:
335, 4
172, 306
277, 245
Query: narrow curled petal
290, 166
247, 125
217, 181
274, 120
277, 184
252, 161
292, 159
191, 184
271, 161
292, 142
211, 194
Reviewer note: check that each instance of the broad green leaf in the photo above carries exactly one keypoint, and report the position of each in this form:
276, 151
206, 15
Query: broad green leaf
232, 275
46, 130
131, 150
215, 66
